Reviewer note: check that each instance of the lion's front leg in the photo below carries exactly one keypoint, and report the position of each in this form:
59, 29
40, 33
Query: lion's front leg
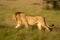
24, 21
17, 25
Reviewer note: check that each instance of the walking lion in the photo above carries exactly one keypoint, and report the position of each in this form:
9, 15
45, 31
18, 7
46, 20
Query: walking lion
22, 19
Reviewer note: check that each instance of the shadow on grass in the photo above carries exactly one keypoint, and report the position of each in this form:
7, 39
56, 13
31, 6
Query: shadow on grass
6, 27
32, 28
3, 26
56, 28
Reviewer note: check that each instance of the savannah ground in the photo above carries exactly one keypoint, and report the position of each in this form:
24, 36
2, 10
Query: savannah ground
7, 25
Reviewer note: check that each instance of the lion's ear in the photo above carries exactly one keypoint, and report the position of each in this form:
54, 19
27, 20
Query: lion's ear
18, 13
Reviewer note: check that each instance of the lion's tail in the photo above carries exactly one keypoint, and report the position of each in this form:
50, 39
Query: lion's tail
51, 27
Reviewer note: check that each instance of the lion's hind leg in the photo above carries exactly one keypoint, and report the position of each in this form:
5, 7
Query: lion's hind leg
46, 27
39, 26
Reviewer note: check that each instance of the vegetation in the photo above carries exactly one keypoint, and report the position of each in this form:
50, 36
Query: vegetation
7, 25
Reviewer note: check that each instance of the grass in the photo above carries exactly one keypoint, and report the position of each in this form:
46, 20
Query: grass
8, 32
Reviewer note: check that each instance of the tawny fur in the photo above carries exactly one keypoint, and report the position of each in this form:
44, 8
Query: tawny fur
23, 19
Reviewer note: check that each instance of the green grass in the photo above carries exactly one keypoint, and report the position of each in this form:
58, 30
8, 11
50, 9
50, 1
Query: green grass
7, 25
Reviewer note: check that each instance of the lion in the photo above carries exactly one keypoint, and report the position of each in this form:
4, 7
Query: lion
23, 19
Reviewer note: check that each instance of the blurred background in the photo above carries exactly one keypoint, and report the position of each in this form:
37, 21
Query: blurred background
50, 9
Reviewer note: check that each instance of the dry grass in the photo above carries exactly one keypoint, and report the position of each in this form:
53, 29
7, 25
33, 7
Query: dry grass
7, 30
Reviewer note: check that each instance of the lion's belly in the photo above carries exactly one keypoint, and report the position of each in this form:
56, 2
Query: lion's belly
32, 20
